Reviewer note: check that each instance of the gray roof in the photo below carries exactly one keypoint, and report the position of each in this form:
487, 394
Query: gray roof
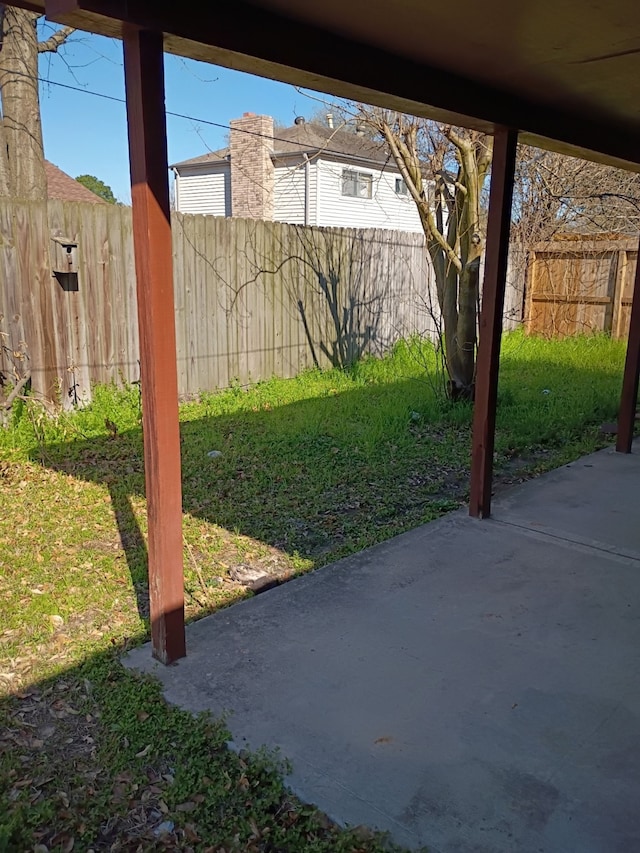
212, 157
310, 138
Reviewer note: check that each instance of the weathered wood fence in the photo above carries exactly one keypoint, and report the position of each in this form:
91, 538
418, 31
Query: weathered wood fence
581, 286
70, 333
253, 299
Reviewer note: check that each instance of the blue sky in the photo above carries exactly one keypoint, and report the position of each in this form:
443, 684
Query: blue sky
85, 134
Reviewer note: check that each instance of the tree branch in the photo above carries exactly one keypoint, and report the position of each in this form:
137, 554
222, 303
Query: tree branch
424, 208
463, 145
52, 44
16, 391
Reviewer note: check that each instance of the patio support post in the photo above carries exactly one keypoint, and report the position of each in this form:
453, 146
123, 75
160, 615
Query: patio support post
490, 326
144, 78
629, 396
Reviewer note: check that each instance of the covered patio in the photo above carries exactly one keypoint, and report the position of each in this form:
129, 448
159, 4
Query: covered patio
486, 703
555, 75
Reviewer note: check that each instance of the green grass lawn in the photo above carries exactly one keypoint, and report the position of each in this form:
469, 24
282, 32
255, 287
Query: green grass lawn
311, 469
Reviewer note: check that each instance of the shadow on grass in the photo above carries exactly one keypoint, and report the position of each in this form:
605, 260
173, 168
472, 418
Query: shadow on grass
133, 544
308, 478
94, 754
330, 475
95, 759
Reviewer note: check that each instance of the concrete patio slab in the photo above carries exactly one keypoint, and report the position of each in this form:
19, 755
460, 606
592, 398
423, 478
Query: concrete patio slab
473, 686
592, 500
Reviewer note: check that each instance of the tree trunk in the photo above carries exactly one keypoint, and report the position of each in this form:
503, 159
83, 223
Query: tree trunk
22, 169
464, 381
460, 332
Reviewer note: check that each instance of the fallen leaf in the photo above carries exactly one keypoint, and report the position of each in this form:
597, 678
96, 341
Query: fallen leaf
119, 793
189, 806
191, 833
144, 751
142, 716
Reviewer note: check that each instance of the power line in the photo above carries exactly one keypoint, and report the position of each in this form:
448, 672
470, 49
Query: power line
189, 118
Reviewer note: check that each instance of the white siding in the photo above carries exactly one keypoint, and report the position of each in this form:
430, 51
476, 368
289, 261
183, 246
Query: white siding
314, 177
289, 193
208, 191
385, 208
204, 191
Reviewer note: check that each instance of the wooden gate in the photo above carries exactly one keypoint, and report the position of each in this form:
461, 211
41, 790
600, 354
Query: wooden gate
581, 286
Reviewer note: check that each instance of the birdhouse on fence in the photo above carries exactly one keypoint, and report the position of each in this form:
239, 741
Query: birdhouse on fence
64, 261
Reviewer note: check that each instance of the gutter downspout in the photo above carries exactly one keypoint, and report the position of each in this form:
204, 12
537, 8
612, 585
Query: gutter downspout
307, 185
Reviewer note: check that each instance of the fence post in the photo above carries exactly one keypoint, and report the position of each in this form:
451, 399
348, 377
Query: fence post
629, 397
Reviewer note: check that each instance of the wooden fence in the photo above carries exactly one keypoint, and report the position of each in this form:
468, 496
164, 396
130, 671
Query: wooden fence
580, 286
70, 333
257, 299
253, 299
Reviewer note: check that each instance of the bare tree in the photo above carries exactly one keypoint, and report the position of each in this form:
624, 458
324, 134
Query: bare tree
22, 172
555, 193
445, 170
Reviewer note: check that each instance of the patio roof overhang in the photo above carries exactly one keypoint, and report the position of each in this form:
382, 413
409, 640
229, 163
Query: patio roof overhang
559, 74
564, 73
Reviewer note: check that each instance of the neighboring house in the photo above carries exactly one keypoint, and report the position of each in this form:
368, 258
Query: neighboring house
307, 174
64, 187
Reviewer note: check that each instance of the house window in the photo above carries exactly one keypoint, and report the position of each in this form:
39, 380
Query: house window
401, 187
356, 184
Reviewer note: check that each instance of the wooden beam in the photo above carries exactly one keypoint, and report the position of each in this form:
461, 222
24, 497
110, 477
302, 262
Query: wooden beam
266, 42
144, 77
495, 274
629, 396
29, 5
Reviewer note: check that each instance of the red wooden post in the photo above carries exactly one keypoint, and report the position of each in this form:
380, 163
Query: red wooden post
144, 77
629, 396
495, 273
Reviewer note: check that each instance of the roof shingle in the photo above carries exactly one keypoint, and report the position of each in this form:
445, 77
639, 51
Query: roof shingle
310, 138
64, 187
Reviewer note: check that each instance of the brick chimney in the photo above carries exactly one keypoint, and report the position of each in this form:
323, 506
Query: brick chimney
252, 172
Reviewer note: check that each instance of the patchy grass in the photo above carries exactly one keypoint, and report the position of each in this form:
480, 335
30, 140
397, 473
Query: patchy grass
311, 469
95, 760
